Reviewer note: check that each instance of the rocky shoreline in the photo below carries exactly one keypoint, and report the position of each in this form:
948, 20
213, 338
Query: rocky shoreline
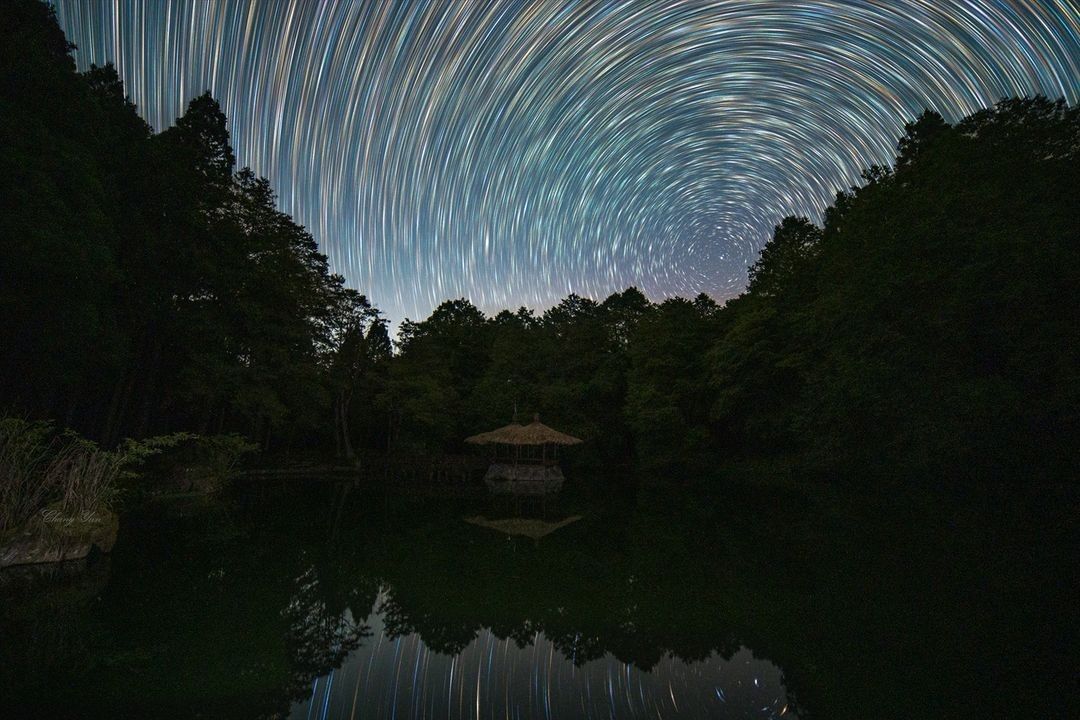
53, 536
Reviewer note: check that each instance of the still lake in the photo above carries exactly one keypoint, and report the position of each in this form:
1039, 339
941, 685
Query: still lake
340, 600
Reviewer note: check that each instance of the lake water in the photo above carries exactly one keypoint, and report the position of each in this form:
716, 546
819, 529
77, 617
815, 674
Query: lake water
391, 675
339, 601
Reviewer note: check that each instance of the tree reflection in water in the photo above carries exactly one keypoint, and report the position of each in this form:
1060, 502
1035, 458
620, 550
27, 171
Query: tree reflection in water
398, 675
319, 601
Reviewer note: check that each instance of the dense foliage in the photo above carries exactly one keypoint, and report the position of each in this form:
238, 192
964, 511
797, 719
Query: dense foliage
42, 469
145, 285
929, 326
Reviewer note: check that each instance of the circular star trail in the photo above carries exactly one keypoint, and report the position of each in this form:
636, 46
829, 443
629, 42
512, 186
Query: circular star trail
514, 152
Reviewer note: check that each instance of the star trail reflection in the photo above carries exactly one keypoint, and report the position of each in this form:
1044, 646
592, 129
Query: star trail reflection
513, 152
496, 678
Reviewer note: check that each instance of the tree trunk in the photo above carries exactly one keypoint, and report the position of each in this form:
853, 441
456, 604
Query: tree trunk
344, 400
114, 419
337, 429
72, 405
152, 370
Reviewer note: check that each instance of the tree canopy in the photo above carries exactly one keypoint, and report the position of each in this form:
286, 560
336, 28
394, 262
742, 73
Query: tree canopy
927, 327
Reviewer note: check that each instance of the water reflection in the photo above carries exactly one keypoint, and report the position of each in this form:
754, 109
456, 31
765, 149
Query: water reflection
399, 676
336, 602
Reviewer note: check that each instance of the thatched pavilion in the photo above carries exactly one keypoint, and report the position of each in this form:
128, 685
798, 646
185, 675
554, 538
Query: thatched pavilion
525, 458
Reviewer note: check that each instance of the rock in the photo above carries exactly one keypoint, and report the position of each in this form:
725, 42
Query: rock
52, 537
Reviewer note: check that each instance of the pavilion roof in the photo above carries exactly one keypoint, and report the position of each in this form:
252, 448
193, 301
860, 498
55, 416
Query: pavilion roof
493, 436
535, 433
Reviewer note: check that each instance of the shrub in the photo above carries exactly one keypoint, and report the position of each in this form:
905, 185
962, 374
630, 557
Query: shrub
39, 466
220, 454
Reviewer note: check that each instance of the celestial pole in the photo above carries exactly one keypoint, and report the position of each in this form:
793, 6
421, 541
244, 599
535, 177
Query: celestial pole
514, 152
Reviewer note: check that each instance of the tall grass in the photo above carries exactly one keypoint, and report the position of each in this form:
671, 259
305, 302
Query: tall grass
26, 477
39, 467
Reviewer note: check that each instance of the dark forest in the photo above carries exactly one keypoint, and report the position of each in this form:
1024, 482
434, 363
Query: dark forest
927, 328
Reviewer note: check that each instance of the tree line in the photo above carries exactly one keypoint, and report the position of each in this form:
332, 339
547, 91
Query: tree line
146, 284
928, 325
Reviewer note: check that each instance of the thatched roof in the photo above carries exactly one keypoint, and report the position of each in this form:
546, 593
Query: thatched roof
493, 436
535, 433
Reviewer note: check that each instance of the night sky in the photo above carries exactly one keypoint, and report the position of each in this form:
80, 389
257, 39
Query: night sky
514, 152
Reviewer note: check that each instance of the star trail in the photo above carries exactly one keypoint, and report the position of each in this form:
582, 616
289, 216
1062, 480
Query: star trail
389, 677
514, 152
